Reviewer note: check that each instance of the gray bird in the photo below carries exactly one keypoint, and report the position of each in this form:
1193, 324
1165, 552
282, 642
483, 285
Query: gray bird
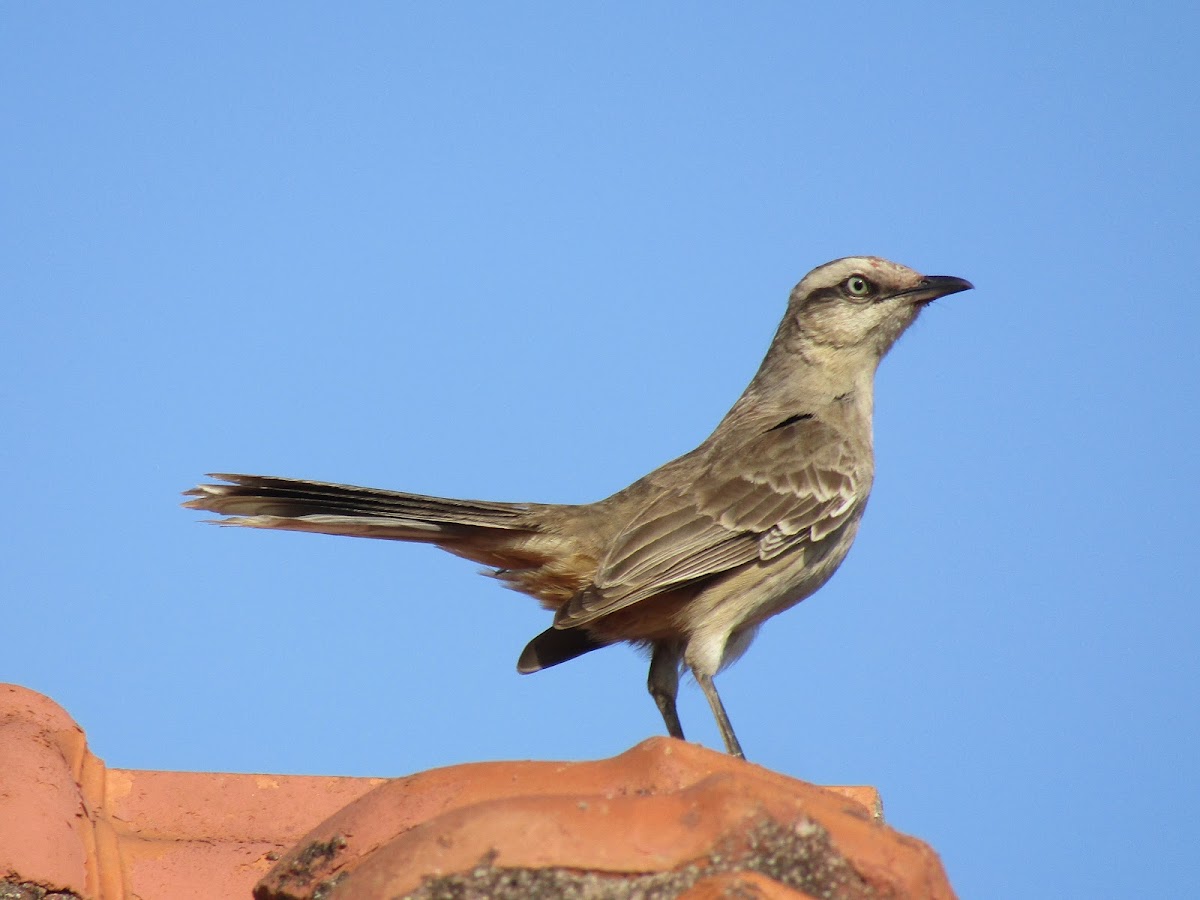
691, 559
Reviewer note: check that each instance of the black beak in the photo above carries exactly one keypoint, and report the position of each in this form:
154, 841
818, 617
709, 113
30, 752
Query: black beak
934, 286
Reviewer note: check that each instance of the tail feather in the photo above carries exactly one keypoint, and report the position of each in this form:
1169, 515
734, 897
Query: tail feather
521, 541
259, 501
265, 495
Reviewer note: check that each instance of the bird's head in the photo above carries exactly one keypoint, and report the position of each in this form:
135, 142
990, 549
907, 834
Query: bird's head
864, 303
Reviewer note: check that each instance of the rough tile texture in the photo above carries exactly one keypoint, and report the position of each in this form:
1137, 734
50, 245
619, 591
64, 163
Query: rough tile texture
661, 820
665, 819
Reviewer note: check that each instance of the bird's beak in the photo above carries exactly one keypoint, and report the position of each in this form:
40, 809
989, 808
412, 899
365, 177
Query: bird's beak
933, 286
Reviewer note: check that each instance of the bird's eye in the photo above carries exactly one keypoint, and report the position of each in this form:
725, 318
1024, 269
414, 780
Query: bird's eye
858, 287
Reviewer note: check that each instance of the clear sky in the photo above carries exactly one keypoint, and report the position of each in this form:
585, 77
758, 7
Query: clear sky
529, 252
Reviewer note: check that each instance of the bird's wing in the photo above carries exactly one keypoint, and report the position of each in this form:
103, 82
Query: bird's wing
790, 484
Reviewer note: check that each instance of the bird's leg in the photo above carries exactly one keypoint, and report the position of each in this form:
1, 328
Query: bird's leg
718, 708
664, 684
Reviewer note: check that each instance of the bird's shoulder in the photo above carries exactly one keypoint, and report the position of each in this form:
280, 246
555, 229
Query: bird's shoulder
794, 472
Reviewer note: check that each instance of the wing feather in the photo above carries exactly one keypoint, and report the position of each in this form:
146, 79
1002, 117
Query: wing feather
780, 489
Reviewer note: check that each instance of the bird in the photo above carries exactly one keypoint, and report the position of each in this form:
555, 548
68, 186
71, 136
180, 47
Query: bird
690, 560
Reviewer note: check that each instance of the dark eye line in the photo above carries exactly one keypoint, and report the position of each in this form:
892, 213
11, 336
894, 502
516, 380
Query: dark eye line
826, 295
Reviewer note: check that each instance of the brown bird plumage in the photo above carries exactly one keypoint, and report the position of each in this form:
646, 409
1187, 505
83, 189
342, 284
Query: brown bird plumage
692, 558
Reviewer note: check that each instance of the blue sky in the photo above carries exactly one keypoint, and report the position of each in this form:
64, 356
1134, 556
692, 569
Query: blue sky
531, 251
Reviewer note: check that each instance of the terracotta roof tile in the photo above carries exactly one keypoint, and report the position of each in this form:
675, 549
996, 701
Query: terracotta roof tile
665, 817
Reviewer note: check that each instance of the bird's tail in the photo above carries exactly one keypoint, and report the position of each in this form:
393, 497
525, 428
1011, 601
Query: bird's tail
259, 501
535, 548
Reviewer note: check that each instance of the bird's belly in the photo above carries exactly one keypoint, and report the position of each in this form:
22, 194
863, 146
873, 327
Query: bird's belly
760, 590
